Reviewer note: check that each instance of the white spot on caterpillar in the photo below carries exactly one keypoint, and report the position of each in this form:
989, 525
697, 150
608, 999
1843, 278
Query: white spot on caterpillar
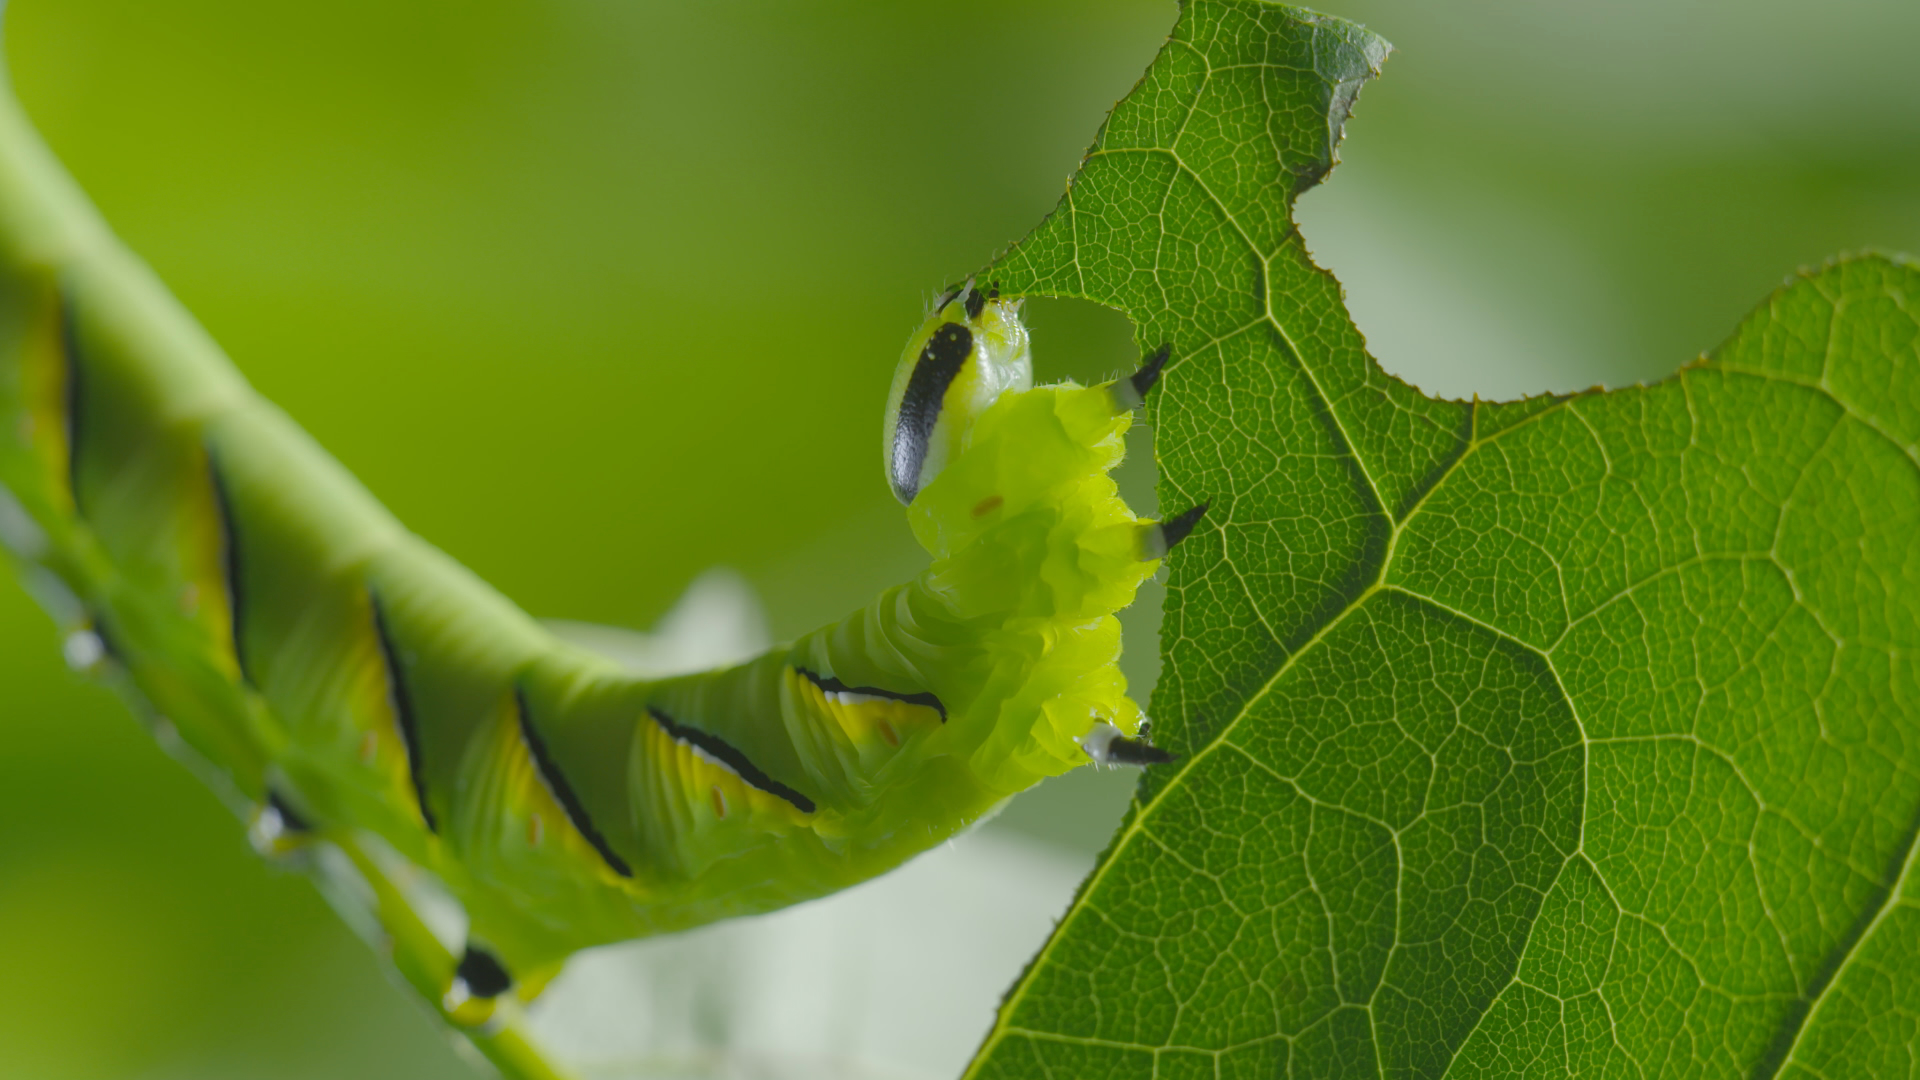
468, 1011
848, 697
268, 831
83, 650
1108, 745
1153, 541
1098, 743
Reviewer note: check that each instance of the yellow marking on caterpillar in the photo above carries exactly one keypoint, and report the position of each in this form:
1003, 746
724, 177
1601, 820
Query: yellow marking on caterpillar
683, 797
872, 726
345, 749
530, 753
466, 1010
44, 387
524, 803
513, 857
204, 596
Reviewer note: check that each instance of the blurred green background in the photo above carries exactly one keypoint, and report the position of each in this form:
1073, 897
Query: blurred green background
596, 294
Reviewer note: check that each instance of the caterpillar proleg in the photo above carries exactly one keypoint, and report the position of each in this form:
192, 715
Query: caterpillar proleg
360, 690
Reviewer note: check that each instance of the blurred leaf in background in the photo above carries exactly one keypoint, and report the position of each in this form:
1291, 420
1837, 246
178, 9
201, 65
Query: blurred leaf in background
596, 295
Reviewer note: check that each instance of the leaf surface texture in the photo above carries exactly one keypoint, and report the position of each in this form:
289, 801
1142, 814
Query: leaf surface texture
1572, 736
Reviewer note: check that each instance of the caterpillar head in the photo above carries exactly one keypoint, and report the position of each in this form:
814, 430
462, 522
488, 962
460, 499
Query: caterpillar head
972, 349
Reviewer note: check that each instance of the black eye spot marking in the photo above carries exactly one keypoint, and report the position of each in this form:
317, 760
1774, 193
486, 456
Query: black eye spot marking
976, 303
483, 973
725, 752
939, 364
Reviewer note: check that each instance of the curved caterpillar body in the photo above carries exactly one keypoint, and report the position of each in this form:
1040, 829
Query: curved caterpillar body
352, 681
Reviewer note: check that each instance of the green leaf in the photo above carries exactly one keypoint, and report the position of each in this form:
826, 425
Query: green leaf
1569, 736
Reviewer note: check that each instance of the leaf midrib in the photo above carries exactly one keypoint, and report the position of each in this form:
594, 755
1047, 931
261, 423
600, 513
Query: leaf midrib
1894, 899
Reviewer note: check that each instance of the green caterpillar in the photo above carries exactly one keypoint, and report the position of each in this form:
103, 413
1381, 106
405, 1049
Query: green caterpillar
359, 689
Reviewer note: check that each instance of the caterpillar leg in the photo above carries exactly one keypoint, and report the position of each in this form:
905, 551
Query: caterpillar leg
1108, 745
478, 979
498, 1033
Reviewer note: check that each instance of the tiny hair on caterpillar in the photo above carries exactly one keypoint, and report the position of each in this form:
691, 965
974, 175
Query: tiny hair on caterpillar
384, 714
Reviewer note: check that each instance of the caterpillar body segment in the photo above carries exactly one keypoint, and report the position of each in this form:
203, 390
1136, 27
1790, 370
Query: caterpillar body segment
360, 689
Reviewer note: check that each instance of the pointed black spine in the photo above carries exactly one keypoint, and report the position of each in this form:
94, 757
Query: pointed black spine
1179, 528
1149, 373
1138, 752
